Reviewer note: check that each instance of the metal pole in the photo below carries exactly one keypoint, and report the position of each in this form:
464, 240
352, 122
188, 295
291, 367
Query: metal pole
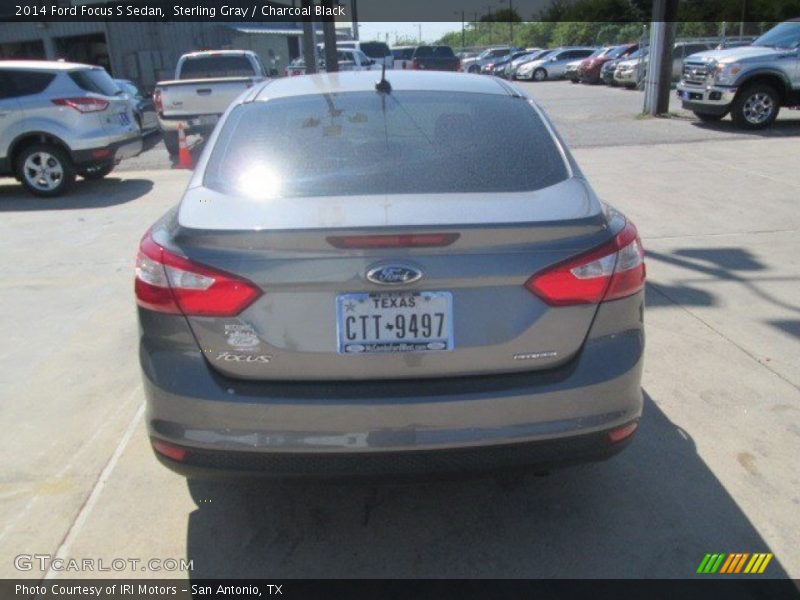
652, 77
463, 32
741, 22
510, 25
309, 41
329, 34
354, 18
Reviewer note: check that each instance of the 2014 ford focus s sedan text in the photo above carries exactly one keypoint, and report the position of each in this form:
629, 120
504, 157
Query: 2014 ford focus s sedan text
402, 277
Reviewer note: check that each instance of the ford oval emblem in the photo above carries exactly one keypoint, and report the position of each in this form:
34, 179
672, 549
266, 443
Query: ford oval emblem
394, 274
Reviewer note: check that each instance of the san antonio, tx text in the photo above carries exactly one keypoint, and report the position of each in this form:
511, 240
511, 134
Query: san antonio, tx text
60, 589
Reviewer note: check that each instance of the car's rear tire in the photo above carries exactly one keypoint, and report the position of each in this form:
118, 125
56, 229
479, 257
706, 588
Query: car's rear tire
756, 106
574, 81
45, 169
171, 142
474, 69
97, 171
539, 74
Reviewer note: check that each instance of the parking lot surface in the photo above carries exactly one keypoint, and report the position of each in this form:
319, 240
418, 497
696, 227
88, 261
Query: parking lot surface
713, 467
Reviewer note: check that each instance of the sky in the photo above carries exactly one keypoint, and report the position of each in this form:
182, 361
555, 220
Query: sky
431, 31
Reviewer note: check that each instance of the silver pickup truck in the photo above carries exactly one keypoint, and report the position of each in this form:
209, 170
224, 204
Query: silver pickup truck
750, 82
205, 84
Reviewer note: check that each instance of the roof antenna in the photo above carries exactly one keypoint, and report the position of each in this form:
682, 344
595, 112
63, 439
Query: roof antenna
383, 85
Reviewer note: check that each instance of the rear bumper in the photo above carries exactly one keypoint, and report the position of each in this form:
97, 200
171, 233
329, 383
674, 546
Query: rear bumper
274, 427
114, 152
543, 455
193, 124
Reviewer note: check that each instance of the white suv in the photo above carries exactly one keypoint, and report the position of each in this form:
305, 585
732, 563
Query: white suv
59, 120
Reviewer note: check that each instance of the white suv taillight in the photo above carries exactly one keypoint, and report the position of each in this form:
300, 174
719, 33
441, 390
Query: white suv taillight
168, 283
83, 104
614, 270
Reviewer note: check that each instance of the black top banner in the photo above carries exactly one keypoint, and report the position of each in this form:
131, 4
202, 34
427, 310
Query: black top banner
618, 11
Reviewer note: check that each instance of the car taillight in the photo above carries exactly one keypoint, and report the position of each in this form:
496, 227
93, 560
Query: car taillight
414, 64
614, 270
157, 102
168, 283
408, 240
83, 104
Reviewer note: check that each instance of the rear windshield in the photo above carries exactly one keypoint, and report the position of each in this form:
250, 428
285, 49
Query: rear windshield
207, 67
403, 53
95, 80
366, 143
375, 49
435, 52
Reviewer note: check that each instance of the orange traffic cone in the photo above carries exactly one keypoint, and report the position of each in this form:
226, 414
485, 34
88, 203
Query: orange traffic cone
184, 158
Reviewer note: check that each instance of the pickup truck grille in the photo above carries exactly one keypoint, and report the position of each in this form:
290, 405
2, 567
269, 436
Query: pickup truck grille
695, 73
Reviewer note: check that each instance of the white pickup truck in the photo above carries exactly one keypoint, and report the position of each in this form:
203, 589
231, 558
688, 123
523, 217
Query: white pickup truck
205, 84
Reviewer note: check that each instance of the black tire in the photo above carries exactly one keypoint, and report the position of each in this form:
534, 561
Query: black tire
756, 106
97, 172
539, 74
474, 69
708, 117
574, 81
171, 142
59, 173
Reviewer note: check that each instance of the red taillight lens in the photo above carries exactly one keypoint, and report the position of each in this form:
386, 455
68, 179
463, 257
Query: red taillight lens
411, 240
624, 432
82, 104
157, 102
414, 64
614, 270
168, 450
168, 283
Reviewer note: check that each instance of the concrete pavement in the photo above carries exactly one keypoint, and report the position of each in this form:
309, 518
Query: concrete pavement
712, 469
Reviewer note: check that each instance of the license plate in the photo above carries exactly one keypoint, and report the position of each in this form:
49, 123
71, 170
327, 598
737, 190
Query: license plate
205, 120
394, 322
124, 119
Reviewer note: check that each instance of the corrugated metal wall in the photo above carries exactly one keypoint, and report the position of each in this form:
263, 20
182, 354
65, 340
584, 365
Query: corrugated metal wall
143, 52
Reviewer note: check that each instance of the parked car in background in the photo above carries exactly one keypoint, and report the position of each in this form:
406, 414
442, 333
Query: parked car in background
571, 71
59, 120
589, 70
348, 59
751, 82
474, 313
498, 67
553, 65
473, 65
608, 69
402, 56
514, 65
205, 84
630, 74
435, 58
144, 111
377, 51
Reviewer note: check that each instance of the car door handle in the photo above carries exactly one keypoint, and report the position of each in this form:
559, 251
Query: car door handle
204, 91
3, 114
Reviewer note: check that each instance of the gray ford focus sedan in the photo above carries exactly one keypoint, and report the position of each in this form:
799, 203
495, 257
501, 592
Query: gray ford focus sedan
402, 276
